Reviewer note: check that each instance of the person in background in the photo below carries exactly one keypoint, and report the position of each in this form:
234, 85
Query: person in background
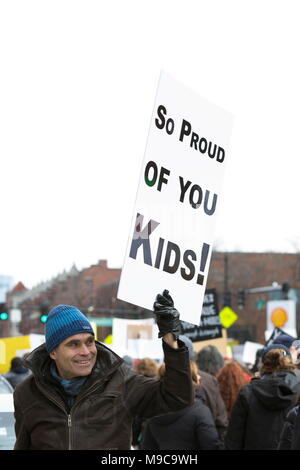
147, 367
18, 372
296, 357
292, 344
258, 414
81, 394
210, 360
289, 342
290, 435
258, 363
231, 378
209, 391
191, 428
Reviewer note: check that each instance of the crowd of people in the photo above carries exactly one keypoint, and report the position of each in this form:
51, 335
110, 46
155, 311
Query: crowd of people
236, 407
192, 401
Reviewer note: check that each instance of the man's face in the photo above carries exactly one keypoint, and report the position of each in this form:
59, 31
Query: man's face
75, 356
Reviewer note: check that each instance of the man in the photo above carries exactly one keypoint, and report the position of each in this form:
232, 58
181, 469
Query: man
81, 395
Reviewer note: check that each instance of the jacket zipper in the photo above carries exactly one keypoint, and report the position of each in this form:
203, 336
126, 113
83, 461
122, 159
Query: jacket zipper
69, 430
87, 392
51, 398
69, 416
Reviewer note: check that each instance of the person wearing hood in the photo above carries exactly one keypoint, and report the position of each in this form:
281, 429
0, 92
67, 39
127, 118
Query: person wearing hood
82, 396
258, 414
191, 428
290, 435
17, 372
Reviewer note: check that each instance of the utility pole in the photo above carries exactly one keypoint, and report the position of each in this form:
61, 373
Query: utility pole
226, 293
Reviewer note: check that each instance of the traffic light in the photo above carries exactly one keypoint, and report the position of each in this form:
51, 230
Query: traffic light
227, 298
44, 309
285, 287
241, 298
3, 312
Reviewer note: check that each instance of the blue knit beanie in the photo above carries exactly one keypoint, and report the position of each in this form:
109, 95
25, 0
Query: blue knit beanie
64, 321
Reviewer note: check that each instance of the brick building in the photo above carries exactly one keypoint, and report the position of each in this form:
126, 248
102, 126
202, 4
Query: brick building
94, 291
230, 272
75, 287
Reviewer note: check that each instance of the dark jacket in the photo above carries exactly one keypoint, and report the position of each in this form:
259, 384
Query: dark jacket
192, 428
287, 441
138, 427
102, 414
258, 414
214, 401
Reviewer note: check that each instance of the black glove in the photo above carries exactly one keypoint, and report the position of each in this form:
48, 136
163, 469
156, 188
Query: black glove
167, 317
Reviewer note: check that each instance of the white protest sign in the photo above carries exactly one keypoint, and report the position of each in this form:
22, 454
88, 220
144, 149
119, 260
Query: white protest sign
136, 338
170, 242
281, 314
249, 352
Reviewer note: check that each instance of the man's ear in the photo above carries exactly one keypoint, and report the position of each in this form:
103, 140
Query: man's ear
53, 354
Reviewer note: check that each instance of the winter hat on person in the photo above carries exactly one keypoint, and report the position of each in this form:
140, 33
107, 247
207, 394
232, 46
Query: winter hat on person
284, 339
64, 321
275, 346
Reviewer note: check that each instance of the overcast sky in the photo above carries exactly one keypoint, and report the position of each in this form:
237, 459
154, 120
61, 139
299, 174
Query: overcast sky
77, 87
